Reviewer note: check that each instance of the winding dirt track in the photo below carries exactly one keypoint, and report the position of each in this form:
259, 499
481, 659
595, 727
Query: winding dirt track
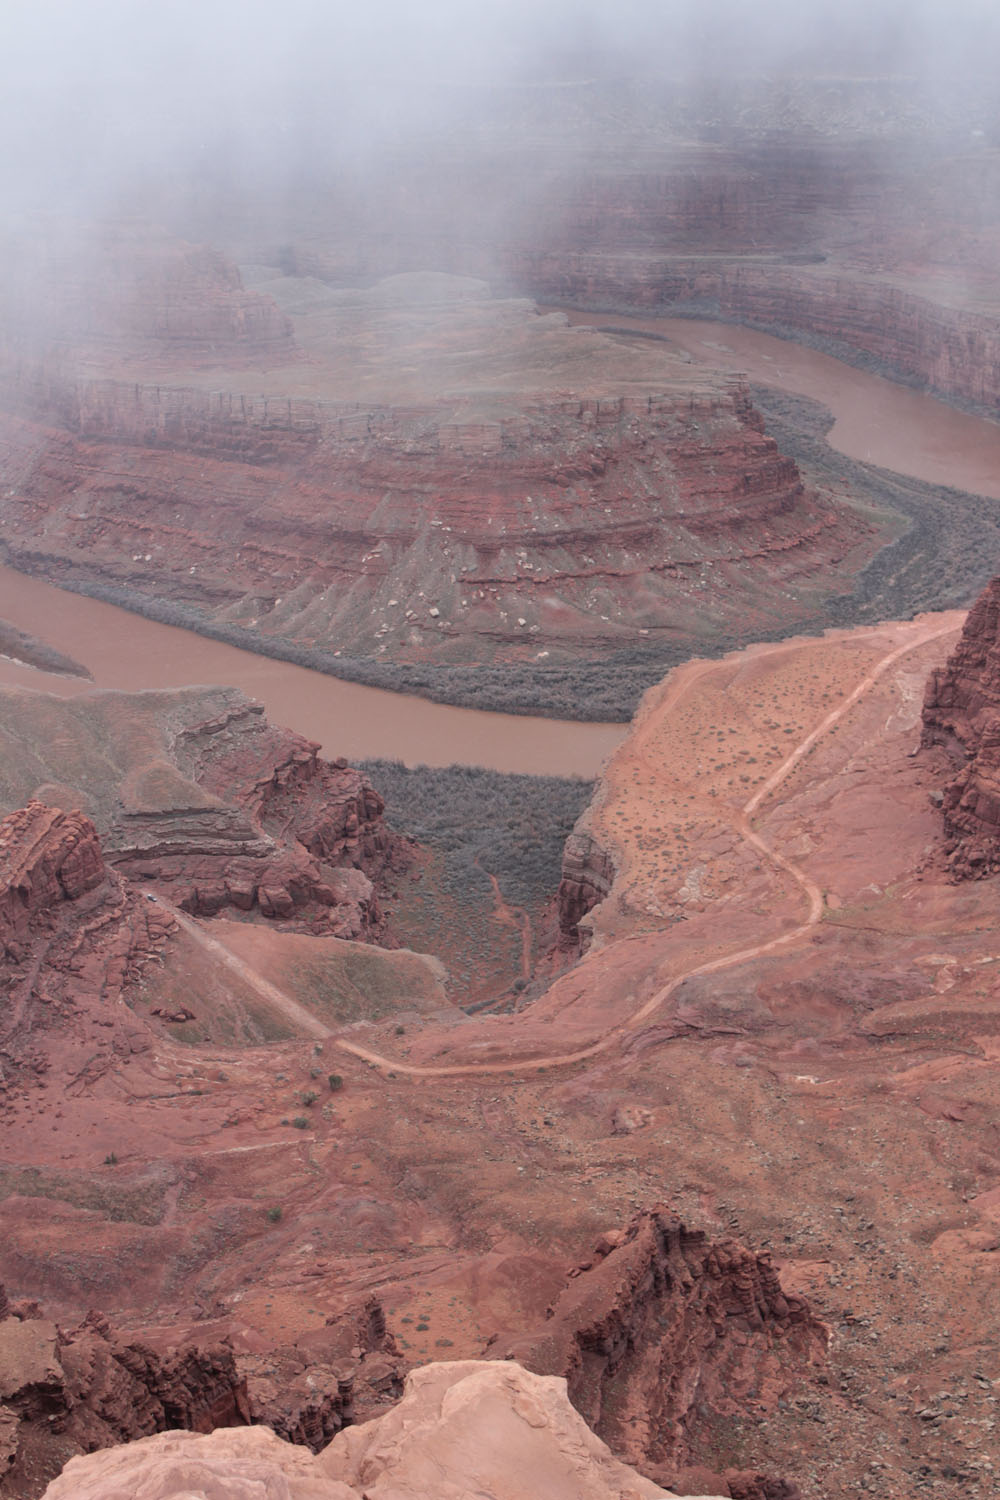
302, 1019
812, 892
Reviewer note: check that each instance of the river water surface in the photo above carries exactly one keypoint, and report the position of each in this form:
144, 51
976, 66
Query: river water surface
875, 421
126, 651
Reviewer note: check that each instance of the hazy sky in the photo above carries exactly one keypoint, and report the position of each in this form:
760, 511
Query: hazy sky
90, 89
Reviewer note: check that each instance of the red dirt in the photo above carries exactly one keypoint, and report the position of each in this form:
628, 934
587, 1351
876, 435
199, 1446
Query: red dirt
828, 1097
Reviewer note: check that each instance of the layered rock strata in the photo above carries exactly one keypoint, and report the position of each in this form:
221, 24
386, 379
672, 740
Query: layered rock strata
427, 533
663, 1337
902, 325
442, 475
196, 794
962, 714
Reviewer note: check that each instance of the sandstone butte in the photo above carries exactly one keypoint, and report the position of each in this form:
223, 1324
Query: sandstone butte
782, 1022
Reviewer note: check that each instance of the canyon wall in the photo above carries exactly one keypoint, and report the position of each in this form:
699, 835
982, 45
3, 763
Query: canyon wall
962, 714
896, 325
421, 533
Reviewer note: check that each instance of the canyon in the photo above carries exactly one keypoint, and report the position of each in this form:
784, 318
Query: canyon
703, 1166
719, 1021
469, 512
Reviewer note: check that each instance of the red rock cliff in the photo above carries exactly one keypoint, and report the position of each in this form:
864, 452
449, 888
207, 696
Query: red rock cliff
420, 533
895, 321
962, 713
663, 1333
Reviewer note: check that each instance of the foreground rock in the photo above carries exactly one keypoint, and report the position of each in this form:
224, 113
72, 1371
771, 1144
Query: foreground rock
195, 794
663, 1335
72, 1391
962, 714
461, 1429
64, 1392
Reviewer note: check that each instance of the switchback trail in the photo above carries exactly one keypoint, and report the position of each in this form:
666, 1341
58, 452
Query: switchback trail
810, 889
303, 1019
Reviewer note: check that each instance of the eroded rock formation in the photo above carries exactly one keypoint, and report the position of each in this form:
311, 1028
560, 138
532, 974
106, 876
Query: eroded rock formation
962, 714
349, 1371
92, 1387
462, 1428
588, 873
196, 794
89, 1388
442, 534
442, 476
72, 932
664, 1336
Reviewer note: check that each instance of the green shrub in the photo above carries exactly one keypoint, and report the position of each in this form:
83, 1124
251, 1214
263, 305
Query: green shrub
336, 1082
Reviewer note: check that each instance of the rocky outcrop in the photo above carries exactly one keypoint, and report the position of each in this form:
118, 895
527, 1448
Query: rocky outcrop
89, 1388
349, 1371
72, 933
588, 873
962, 714
461, 1429
46, 857
196, 795
663, 1333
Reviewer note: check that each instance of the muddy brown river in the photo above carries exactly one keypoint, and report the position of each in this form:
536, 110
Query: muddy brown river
875, 421
125, 651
